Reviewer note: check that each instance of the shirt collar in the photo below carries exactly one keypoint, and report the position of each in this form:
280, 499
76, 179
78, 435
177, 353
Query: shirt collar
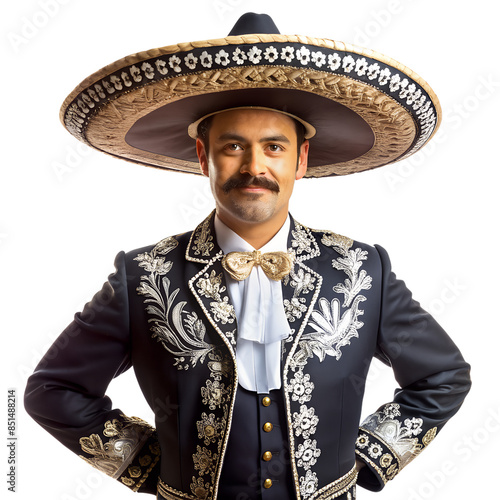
229, 241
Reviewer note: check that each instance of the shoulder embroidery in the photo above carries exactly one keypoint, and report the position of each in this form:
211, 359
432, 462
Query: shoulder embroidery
340, 243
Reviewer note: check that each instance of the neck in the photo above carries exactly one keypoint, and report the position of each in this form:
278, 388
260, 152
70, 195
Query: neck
256, 234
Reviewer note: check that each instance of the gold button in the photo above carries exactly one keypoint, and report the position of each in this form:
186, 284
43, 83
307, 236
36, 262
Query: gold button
268, 483
266, 401
267, 456
268, 427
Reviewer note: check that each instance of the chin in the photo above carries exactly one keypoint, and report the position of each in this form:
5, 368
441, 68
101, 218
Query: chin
253, 214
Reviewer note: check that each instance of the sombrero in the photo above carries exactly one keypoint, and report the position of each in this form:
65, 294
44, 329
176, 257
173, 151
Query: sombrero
365, 109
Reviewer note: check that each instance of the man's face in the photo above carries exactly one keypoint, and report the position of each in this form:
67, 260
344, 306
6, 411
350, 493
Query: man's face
252, 164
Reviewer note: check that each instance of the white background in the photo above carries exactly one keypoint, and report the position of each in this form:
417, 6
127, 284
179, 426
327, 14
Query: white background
67, 210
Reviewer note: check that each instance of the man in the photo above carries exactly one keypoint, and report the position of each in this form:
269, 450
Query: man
254, 328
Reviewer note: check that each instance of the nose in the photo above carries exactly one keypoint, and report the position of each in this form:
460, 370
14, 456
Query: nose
254, 162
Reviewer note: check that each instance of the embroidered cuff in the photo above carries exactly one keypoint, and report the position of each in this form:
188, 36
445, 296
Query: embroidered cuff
379, 458
130, 453
143, 472
388, 441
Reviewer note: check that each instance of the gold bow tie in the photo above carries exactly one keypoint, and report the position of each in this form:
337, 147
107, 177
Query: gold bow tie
276, 265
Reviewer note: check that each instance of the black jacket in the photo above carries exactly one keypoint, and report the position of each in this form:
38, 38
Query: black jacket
166, 312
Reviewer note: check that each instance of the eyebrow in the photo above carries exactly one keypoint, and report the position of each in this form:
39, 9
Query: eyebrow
228, 136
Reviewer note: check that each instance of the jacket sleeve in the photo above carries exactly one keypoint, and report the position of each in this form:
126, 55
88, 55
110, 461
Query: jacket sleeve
66, 393
433, 381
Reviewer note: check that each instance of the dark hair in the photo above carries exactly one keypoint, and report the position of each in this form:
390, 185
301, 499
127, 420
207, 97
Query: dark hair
204, 130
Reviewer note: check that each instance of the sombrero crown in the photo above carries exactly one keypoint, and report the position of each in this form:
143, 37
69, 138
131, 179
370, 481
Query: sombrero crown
368, 110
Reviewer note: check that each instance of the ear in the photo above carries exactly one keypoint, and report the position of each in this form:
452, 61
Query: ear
202, 157
302, 163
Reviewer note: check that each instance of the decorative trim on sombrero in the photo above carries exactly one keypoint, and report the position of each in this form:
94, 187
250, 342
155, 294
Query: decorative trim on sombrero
408, 112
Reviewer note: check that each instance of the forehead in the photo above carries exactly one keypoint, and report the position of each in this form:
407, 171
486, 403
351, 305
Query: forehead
252, 122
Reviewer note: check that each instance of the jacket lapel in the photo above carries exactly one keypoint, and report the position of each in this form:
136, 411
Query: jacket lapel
301, 288
208, 285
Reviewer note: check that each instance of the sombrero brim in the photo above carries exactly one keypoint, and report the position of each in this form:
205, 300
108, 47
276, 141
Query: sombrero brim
368, 110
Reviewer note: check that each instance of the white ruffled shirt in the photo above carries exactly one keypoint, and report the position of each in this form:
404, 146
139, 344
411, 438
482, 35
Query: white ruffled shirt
258, 304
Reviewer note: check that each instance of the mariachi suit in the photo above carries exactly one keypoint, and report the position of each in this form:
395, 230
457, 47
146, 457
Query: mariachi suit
167, 313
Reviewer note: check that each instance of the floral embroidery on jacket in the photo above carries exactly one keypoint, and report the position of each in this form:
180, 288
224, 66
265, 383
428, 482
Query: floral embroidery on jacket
181, 333
210, 286
215, 395
332, 327
307, 453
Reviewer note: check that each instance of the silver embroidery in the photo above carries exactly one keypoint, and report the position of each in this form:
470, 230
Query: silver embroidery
401, 436
181, 333
294, 308
308, 484
332, 331
221, 308
210, 428
307, 454
305, 422
332, 325
303, 243
300, 387
358, 280
302, 282
303, 246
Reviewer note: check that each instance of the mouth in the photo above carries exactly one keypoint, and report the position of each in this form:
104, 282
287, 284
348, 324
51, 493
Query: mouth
253, 189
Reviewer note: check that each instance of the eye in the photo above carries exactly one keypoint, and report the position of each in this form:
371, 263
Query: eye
275, 148
233, 147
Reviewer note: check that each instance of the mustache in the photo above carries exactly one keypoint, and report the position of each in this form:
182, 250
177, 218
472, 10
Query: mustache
238, 181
